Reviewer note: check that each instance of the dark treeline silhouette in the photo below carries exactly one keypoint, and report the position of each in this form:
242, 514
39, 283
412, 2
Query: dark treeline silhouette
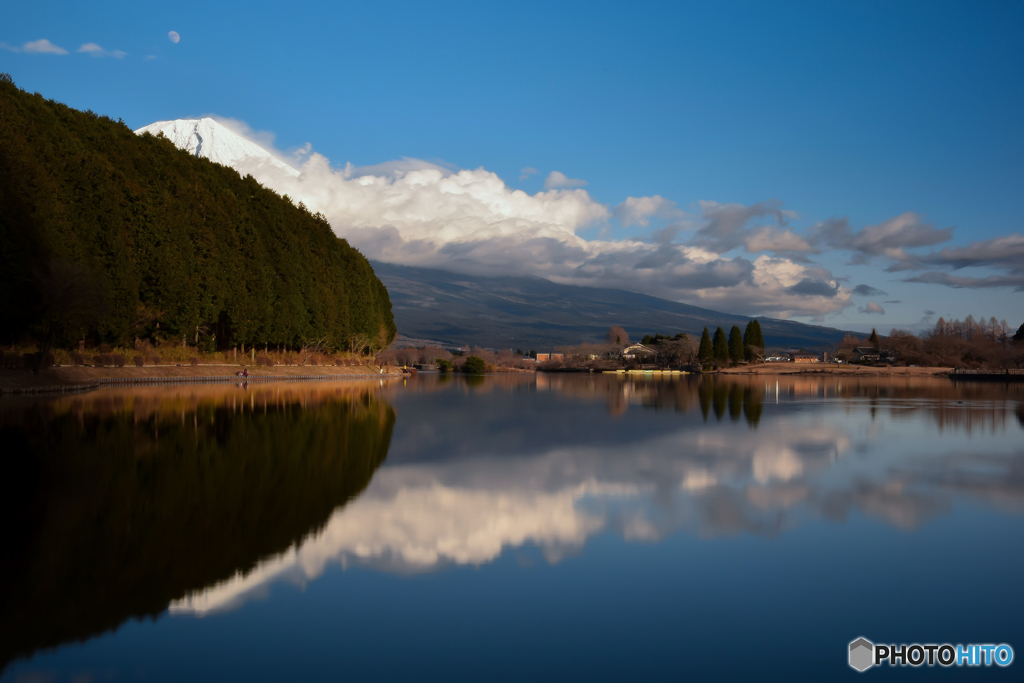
112, 508
119, 237
966, 343
740, 346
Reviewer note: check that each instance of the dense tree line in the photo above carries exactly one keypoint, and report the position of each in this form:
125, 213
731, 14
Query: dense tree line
965, 343
746, 345
116, 237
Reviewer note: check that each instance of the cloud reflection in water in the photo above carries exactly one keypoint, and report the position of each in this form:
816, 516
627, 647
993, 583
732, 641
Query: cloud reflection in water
461, 497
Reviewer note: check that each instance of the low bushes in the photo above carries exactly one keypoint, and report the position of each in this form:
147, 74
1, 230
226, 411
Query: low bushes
139, 361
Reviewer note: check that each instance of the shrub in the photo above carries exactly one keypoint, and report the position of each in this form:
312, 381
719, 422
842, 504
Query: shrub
287, 360
313, 361
474, 365
139, 361
443, 365
193, 361
105, 348
77, 358
48, 360
98, 360
117, 360
155, 360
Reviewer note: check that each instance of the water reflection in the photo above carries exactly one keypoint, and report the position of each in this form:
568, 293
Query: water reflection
118, 502
477, 469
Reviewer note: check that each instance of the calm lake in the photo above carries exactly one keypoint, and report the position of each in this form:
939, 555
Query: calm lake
557, 527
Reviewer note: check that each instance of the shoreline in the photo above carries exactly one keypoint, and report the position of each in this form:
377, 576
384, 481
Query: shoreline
832, 369
70, 378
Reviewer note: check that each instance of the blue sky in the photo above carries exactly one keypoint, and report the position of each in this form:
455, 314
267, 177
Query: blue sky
813, 111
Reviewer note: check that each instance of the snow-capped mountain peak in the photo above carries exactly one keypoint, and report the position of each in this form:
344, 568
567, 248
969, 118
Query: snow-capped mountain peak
215, 141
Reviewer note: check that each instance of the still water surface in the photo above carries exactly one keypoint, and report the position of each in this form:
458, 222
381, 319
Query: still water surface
555, 527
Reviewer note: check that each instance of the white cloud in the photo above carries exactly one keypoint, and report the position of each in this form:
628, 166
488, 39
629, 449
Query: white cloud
640, 210
527, 172
173, 36
420, 213
94, 50
39, 47
557, 179
871, 307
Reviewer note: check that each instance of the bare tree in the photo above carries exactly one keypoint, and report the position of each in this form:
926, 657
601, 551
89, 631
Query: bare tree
616, 335
358, 343
310, 347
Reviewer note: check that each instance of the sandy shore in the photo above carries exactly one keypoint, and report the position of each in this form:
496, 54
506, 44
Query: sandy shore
16, 381
832, 369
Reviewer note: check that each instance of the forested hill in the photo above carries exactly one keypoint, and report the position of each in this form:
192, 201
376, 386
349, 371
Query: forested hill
127, 236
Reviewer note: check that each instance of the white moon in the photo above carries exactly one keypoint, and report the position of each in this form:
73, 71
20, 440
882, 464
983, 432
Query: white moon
173, 35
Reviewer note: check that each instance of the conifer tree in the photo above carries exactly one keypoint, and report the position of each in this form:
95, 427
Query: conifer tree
736, 349
180, 245
753, 341
705, 351
720, 346
873, 339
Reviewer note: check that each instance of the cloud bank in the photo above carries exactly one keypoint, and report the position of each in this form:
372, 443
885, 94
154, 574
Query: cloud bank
418, 213
748, 259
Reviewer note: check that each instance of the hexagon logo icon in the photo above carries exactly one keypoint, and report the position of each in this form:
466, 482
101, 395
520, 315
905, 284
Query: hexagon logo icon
862, 654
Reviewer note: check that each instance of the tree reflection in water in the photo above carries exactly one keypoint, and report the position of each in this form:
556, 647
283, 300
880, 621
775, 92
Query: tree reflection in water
116, 503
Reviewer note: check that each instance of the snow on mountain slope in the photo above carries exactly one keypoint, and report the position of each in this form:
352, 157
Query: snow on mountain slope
216, 142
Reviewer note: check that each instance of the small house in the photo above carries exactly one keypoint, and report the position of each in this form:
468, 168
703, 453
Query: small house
806, 358
866, 354
637, 351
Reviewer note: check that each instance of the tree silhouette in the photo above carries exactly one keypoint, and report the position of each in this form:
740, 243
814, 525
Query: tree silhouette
753, 341
720, 346
737, 352
705, 351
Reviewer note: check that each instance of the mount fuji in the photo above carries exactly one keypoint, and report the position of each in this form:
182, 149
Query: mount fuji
499, 312
216, 142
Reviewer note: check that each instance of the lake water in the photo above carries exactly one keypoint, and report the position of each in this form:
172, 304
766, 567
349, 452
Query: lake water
557, 527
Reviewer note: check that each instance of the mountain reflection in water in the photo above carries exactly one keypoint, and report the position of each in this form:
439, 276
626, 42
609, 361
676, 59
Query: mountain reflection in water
118, 502
475, 469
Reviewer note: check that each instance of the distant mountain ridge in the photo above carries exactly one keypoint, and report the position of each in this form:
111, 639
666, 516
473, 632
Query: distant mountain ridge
530, 312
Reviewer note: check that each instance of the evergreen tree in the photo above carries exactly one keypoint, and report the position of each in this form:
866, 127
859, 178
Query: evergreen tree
736, 349
1019, 336
720, 346
178, 245
873, 339
753, 341
705, 351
